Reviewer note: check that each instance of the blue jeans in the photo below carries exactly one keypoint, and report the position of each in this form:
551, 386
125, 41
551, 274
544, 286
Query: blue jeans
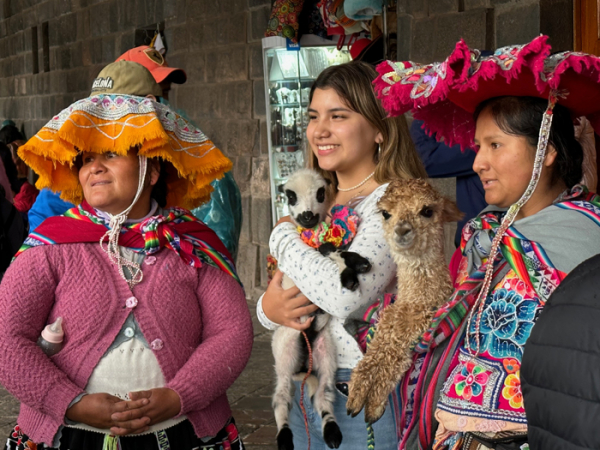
354, 430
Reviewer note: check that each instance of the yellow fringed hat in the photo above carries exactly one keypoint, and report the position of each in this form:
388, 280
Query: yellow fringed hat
115, 123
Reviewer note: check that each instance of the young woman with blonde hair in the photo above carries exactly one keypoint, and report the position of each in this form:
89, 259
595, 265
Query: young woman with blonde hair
359, 149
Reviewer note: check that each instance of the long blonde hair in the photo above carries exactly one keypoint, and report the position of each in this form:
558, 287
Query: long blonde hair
353, 83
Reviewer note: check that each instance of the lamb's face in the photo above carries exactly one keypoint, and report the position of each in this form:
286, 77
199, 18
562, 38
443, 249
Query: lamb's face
413, 215
306, 192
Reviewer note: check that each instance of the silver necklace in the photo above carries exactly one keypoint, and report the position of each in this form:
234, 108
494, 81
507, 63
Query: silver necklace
358, 185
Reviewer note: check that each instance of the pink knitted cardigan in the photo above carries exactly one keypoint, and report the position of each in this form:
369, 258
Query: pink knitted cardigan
196, 321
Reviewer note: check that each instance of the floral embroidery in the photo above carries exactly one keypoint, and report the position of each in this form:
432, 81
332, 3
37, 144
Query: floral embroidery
506, 323
489, 426
511, 365
512, 390
470, 380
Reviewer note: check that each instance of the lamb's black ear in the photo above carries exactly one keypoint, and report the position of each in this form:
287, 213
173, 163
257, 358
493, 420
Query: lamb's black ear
280, 188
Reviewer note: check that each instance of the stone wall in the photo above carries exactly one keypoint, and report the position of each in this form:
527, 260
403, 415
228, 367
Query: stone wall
429, 29
50, 51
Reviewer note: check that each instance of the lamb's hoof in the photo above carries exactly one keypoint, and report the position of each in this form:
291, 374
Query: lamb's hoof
349, 279
285, 439
332, 435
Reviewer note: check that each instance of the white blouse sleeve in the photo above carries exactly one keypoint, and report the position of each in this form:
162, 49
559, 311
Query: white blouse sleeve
262, 317
318, 276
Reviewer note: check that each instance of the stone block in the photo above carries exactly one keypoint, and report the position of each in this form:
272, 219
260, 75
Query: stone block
262, 278
207, 101
443, 6
83, 24
556, 21
261, 182
196, 67
77, 54
139, 14
62, 7
236, 99
241, 172
246, 264
415, 8
263, 149
196, 10
260, 109
195, 35
63, 58
96, 50
126, 42
125, 14
261, 220
232, 30
245, 232
149, 7
186, 98
181, 15
212, 8
242, 136
58, 84
15, 24
113, 16
257, 3
255, 60
468, 25
99, 20
169, 8
45, 11
108, 49
472, 4
179, 38
404, 33
258, 23
229, 64
517, 25
423, 40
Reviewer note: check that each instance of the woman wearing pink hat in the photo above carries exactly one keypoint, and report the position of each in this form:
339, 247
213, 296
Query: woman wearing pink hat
516, 107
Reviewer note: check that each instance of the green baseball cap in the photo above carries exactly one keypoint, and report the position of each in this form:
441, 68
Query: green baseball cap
126, 77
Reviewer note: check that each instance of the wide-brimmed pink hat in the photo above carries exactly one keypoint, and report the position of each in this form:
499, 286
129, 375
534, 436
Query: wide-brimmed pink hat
444, 95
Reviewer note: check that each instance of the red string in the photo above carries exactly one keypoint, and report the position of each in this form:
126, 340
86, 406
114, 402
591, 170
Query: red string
310, 364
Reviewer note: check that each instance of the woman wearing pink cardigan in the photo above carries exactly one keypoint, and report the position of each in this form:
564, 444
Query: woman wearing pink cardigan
156, 326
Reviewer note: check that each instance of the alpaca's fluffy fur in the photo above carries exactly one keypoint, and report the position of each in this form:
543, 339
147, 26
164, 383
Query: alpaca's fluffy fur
413, 215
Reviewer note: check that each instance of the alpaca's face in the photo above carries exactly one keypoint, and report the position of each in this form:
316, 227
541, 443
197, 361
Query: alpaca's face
306, 192
413, 215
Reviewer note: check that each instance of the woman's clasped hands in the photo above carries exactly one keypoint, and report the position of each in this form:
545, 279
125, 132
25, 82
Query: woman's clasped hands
124, 417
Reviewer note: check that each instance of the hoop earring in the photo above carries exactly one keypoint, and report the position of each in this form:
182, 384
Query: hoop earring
378, 152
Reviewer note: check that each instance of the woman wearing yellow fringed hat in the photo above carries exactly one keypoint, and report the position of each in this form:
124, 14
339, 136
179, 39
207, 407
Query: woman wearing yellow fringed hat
155, 326
517, 109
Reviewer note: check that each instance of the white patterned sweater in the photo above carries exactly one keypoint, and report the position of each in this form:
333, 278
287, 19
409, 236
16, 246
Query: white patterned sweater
318, 276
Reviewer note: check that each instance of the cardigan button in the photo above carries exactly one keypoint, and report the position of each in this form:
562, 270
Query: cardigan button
156, 344
150, 260
131, 302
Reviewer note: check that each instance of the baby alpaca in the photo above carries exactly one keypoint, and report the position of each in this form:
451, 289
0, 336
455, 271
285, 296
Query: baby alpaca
413, 219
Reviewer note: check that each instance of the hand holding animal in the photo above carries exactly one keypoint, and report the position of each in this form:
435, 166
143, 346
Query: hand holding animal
413, 215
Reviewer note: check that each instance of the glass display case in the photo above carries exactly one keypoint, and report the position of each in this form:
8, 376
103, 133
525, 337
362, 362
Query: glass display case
289, 74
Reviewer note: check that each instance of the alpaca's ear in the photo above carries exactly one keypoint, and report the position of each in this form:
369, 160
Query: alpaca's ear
451, 213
